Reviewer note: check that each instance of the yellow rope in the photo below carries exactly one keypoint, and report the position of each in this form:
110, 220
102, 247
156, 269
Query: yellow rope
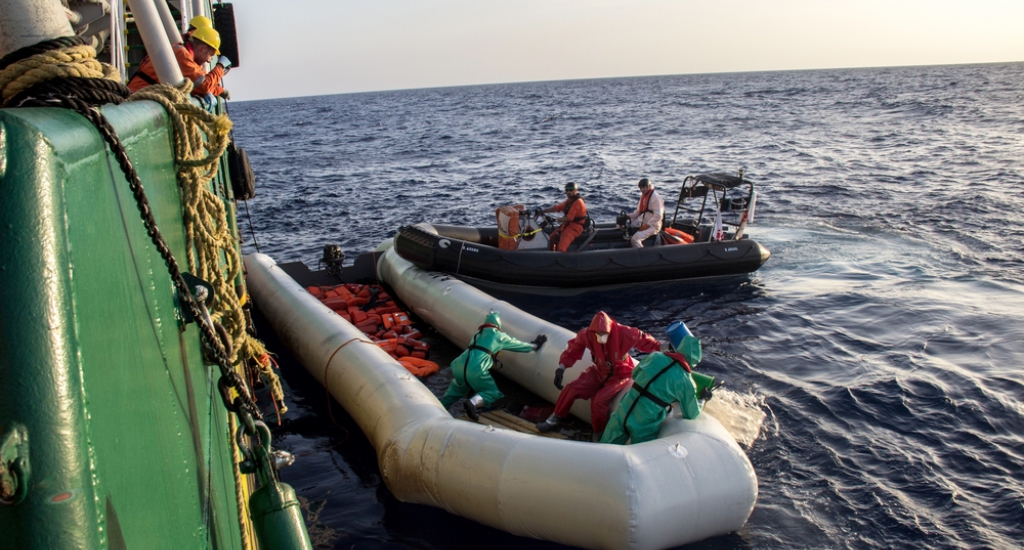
242, 488
74, 61
200, 140
518, 235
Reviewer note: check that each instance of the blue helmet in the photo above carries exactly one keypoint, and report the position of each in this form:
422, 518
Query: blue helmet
685, 342
676, 332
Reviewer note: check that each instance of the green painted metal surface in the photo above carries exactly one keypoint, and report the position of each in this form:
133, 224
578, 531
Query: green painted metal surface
128, 444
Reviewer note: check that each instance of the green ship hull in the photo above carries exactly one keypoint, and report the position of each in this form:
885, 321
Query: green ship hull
112, 431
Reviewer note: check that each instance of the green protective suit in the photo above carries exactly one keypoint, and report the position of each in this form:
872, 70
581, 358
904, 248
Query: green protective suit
638, 418
471, 370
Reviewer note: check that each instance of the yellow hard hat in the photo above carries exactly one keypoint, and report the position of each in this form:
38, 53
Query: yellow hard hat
208, 36
200, 21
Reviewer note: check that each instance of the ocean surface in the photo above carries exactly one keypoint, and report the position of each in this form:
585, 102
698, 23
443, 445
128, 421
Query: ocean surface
883, 340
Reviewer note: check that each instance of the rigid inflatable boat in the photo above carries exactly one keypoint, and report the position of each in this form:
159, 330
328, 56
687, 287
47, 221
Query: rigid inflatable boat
707, 232
692, 483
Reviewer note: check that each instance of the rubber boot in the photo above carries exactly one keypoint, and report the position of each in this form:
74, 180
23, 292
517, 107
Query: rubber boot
473, 406
550, 424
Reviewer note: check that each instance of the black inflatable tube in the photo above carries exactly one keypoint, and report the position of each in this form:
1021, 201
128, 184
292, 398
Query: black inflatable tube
461, 251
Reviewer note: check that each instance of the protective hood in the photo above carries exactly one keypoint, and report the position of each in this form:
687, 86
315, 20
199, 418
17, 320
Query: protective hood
601, 323
493, 319
691, 350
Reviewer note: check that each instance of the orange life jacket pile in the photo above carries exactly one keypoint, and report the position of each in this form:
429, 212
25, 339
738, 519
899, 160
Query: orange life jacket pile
375, 313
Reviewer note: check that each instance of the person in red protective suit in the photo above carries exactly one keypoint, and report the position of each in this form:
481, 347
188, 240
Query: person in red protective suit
204, 42
572, 223
609, 343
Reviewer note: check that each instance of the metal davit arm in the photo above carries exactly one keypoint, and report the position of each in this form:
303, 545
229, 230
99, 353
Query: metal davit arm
154, 36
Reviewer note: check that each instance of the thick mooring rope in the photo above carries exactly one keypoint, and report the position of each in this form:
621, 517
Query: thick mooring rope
72, 61
200, 139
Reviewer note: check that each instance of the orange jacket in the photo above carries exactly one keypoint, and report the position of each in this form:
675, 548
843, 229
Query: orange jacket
577, 210
205, 83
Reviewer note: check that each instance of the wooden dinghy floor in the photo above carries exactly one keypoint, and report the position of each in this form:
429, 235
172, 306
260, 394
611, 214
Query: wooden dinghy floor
504, 420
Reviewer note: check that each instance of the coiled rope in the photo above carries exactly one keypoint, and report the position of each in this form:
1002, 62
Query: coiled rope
73, 58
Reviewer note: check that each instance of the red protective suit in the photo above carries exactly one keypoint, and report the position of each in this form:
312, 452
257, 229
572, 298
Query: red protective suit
576, 212
204, 82
611, 370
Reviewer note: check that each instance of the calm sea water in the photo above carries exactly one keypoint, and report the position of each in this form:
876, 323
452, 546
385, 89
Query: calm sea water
884, 339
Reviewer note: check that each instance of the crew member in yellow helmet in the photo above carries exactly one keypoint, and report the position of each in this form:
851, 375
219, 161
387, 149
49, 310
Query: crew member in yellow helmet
205, 42
199, 21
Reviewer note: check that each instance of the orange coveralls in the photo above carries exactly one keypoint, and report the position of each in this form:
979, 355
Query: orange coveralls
572, 227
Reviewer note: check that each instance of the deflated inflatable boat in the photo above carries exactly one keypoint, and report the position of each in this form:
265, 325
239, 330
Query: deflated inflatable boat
692, 483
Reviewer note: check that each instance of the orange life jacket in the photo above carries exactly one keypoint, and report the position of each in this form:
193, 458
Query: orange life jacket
583, 209
671, 235
508, 226
644, 207
392, 320
316, 291
418, 366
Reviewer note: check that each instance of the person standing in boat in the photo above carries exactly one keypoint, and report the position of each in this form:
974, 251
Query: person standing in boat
471, 370
609, 343
658, 381
649, 212
572, 222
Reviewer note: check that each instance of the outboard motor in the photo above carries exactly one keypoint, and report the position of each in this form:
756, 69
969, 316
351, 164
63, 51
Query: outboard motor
332, 260
622, 221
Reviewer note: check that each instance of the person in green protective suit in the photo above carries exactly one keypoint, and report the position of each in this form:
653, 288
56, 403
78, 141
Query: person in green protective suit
660, 379
471, 370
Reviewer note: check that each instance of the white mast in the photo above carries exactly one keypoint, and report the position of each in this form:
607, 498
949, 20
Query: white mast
154, 36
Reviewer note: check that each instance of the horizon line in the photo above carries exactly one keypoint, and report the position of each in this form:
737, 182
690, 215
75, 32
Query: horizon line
864, 67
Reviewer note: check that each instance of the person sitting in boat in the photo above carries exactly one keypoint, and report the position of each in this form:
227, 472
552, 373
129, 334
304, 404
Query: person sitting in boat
649, 212
572, 222
471, 370
659, 380
609, 343
204, 42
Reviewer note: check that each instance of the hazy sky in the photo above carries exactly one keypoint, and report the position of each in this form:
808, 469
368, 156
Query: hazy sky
317, 47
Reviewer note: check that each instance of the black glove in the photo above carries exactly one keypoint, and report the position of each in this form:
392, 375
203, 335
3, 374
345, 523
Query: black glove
537, 212
707, 393
539, 341
558, 376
